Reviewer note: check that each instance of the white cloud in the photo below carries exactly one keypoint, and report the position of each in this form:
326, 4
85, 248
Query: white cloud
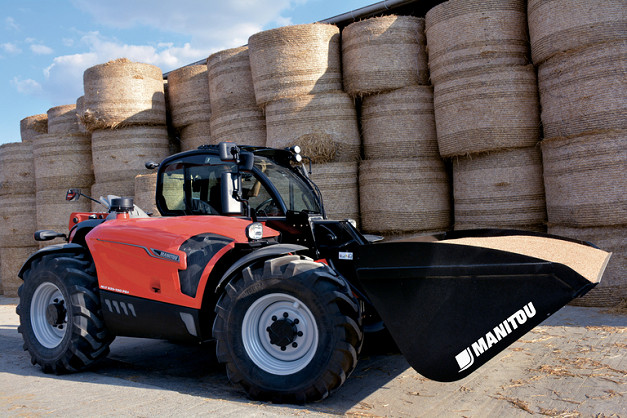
41, 49
10, 48
9, 23
217, 24
28, 86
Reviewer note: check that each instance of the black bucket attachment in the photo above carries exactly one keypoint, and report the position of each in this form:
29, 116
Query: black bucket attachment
452, 305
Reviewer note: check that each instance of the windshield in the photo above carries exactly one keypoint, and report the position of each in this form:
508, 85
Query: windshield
192, 186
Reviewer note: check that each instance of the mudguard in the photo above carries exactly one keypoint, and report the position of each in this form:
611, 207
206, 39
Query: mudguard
452, 305
51, 249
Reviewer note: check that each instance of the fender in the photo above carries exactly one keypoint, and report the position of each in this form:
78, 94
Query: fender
260, 254
52, 249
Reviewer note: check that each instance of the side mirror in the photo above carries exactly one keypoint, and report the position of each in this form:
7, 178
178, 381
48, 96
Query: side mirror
47, 235
72, 194
228, 151
151, 165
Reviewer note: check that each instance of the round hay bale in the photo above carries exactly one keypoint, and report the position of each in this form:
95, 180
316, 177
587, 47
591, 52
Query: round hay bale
145, 193
246, 126
339, 187
399, 124
122, 93
230, 80
613, 287
494, 110
401, 196
501, 190
53, 211
33, 126
80, 110
120, 154
63, 120
121, 188
16, 168
326, 117
188, 95
585, 179
62, 161
384, 53
563, 25
584, 90
295, 60
13, 259
18, 217
195, 135
468, 36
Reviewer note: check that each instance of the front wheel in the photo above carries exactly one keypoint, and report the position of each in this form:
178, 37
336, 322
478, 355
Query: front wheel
60, 318
288, 330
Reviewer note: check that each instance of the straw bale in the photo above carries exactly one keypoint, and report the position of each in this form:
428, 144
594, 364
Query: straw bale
16, 168
562, 25
501, 190
494, 109
339, 187
53, 211
17, 219
472, 35
121, 188
63, 120
586, 179
145, 193
384, 53
195, 135
399, 124
122, 93
245, 126
295, 60
230, 80
80, 110
188, 95
404, 195
327, 116
33, 126
12, 260
613, 286
121, 154
584, 90
62, 160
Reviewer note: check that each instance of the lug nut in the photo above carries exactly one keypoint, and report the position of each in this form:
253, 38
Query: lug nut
294, 345
274, 318
296, 321
300, 333
283, 348
285, 314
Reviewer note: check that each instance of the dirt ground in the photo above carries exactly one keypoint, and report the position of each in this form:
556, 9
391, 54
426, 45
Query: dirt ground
573, 365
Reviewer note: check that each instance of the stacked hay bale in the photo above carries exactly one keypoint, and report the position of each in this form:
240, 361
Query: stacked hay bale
125, 110
486, 112
580, 49
235, 115
189, 105
297, 79
145, 192
403, 184
62, 160
17, 210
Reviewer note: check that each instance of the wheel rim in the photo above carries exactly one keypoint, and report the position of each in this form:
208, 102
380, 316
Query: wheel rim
280, 334
48, 315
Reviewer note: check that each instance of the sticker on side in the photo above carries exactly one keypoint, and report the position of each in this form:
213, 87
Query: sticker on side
345, 256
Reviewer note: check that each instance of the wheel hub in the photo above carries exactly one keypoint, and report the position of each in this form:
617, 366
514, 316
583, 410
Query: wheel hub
55, 313
284, 331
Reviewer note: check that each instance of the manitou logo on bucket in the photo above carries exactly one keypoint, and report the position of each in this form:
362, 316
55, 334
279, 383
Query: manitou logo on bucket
465, 359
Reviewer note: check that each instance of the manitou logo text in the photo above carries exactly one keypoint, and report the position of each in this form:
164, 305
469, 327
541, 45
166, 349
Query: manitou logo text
465, 359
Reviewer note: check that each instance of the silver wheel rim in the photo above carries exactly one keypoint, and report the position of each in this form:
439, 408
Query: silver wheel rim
48, 335
268, 356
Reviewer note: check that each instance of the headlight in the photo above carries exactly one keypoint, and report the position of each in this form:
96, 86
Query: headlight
254, 231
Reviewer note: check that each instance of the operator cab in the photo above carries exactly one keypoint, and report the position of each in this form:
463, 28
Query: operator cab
200, 182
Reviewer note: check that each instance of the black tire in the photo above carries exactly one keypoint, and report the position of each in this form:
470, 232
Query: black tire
60, 317
323, 319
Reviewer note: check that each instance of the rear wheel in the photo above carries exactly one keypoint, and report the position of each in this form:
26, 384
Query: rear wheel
288, 330
60, 318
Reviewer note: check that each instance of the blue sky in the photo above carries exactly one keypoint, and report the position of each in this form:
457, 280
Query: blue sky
46, 45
